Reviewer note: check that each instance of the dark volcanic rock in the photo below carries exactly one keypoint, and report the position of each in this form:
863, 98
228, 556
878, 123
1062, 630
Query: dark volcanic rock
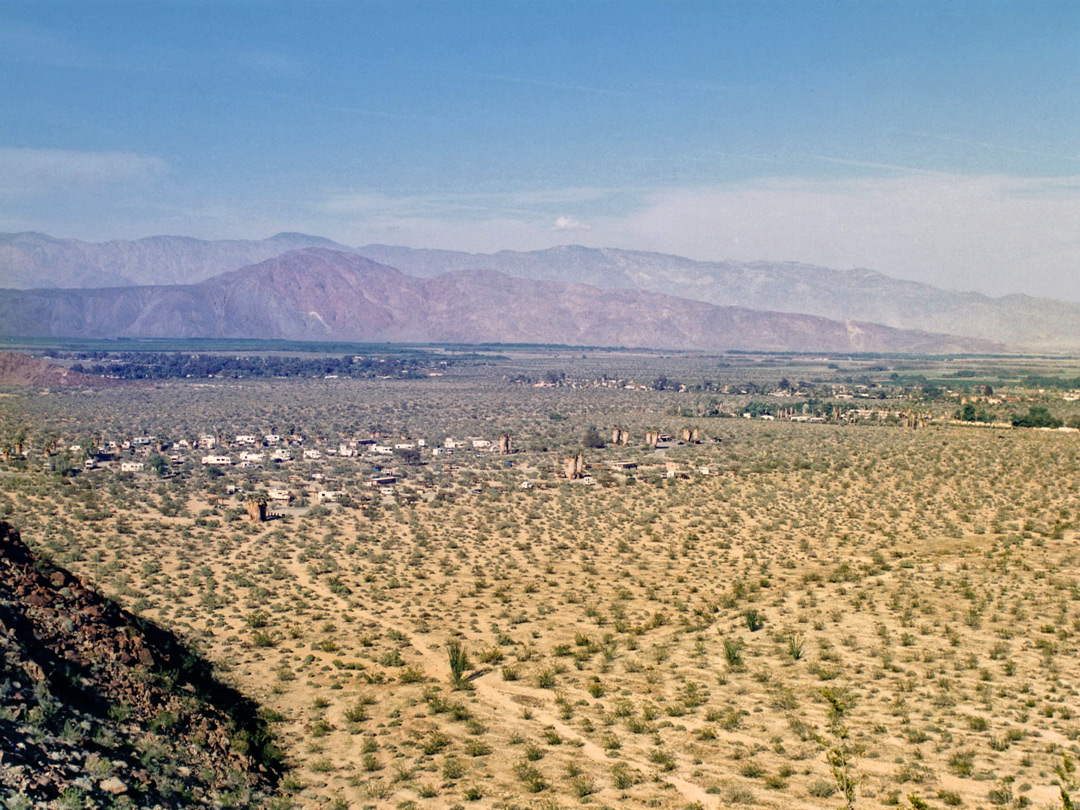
97, 701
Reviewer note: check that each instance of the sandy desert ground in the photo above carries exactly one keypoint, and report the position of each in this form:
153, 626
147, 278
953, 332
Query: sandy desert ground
893, 608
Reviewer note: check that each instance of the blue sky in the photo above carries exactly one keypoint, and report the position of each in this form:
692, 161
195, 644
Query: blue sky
934, 141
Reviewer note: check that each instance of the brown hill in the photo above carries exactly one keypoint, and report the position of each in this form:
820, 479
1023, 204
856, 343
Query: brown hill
319, 294
19, 370
100, 703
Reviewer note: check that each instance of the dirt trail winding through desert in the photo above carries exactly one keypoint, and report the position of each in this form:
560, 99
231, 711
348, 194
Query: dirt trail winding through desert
501, 696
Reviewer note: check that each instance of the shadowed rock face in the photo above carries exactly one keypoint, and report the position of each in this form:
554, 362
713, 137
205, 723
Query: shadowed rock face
319, 294
87, 689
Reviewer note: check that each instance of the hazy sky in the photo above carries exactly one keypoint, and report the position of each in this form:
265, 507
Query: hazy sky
936, 141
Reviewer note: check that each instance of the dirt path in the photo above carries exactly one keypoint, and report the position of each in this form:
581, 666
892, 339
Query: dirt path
506, 698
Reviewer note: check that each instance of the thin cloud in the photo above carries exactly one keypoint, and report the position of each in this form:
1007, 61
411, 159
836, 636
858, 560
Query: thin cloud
370, 112
525, 204
37, 45
1000, 147
869, 164
742, 156
569, 224
578, 88
28, 173
994, 234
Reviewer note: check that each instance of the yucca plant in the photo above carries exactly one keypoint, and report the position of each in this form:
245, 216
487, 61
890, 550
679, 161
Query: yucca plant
733, 652
753, 618
459, 661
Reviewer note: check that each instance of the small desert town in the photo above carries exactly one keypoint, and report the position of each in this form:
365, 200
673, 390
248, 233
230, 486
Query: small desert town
298, 469
509, 587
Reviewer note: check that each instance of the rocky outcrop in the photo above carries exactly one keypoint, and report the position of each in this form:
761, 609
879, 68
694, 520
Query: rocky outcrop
97, 702
506, 444
256, 510
574, 467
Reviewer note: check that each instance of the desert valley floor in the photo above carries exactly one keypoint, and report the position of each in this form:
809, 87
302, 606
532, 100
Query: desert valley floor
759, 618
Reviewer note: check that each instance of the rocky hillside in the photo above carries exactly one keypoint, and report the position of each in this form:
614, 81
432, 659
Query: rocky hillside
101, 709
319, 294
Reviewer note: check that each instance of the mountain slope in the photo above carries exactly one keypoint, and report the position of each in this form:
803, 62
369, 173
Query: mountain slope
99, 704
33, 260
319, 294
30, 260
864, 295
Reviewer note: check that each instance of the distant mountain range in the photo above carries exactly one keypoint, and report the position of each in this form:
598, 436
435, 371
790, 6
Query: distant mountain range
32, 260
321, 294
1020, 321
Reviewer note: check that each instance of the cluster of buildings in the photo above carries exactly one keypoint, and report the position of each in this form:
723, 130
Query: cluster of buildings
377, 454
295, 470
